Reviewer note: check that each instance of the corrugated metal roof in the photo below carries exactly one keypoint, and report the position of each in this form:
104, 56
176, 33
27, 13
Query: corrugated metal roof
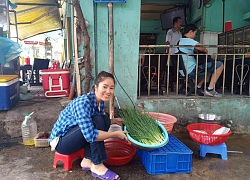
36, 17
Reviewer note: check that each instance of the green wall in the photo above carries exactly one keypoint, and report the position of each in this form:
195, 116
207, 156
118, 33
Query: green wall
192, 12
233, 111
163, 1
126, 21
127, 28
234, 11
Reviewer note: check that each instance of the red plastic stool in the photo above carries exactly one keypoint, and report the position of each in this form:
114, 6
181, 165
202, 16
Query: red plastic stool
67, 159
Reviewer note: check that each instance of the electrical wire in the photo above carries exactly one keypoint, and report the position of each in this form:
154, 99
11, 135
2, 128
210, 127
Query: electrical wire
208, 5
124, 90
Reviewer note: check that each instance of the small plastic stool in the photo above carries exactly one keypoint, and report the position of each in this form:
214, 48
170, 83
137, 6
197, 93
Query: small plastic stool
217, 149
67, 159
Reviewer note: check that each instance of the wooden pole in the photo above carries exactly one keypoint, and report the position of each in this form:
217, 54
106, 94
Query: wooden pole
72, 88
70, 40
82, 29
111, 53
77, 72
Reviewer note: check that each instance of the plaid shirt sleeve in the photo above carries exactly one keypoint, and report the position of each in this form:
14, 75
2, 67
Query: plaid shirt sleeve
79, 112
84, 110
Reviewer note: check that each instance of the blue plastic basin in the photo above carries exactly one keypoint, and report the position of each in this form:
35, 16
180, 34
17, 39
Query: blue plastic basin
140, 145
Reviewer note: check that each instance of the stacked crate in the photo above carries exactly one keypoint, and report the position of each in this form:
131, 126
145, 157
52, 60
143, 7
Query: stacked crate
174, 157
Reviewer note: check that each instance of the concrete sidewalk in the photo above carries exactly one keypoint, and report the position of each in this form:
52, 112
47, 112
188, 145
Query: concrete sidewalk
19, 162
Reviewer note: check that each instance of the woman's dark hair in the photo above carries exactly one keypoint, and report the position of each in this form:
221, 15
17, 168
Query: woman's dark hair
101, 76
187, 28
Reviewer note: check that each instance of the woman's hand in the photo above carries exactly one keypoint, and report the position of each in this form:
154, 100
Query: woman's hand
121, 135
118, 121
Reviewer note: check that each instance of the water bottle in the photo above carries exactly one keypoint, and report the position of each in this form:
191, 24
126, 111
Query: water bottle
29, 130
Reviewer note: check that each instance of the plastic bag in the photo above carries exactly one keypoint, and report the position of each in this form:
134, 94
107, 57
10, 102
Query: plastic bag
9, 50
222, 130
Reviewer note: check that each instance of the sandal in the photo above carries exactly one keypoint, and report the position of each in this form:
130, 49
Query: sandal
85, 169
109, 175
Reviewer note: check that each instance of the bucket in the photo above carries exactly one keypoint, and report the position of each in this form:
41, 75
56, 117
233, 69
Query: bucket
27, 61
228, 26
209, 118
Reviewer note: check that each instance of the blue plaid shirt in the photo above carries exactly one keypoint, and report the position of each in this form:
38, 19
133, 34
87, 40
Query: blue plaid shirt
79, 112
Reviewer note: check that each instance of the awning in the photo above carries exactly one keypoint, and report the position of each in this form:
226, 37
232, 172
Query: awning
36, 17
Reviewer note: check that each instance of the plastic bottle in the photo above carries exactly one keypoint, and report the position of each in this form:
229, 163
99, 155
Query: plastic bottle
29, 130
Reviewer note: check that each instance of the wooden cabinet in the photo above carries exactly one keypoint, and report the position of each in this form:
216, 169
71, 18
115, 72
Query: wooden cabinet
240, 36
230, 37
236, 37
222, 39
247, 34
147, 39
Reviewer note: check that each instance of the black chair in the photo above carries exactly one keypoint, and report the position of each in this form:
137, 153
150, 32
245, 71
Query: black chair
25, 69
190, 78
38, 65
153, 72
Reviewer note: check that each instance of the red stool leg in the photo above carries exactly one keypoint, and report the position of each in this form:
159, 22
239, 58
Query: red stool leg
56, 159
67, 159
72, 157
67, 164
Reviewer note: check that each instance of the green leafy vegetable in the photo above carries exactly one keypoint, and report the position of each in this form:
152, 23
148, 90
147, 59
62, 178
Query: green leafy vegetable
141, 127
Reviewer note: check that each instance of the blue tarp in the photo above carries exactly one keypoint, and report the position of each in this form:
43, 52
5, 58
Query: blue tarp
9, 50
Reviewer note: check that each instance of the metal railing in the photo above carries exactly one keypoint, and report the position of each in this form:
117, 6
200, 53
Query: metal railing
160, 76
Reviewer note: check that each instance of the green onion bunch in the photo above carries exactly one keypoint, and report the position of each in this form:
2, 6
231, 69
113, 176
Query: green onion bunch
141, 127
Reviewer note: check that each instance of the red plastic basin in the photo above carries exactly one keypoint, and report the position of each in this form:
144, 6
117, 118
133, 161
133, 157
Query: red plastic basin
119, 152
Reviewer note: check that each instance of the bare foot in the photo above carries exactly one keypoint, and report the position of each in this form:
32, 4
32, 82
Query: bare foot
86, 163
100, 169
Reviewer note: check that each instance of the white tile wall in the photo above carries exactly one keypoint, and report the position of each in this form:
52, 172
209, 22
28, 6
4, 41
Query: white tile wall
209, 38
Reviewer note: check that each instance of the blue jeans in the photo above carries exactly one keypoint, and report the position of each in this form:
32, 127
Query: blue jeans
74, 141
210, 68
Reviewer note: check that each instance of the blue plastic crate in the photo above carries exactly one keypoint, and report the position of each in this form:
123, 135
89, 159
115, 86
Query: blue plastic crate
175, 157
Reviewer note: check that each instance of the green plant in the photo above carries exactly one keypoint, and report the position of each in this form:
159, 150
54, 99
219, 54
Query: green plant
141, 127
